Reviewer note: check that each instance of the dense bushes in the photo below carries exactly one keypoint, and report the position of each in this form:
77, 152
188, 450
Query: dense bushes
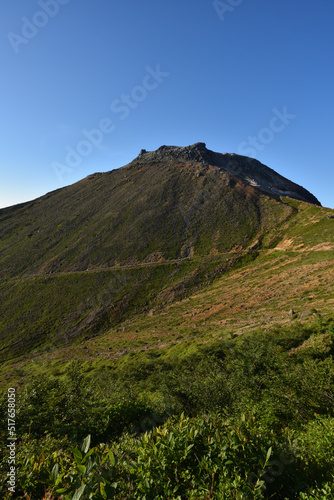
282, 381
206, 457
74, 408
282, 377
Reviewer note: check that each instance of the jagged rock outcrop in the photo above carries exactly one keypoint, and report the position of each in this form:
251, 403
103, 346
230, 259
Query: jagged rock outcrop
249, 170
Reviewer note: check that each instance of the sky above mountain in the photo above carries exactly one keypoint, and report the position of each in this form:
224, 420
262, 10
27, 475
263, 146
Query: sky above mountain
86, 85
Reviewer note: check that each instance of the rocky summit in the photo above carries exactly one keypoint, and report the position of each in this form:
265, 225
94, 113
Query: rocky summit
249, 170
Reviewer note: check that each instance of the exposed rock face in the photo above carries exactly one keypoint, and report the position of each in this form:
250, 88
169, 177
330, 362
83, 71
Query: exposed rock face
249, 170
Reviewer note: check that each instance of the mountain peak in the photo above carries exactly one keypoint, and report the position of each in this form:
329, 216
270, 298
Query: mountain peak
248, 170
195, 152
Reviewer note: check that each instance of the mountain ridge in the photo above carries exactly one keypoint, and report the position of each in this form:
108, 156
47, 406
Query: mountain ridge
249, 170
168, 204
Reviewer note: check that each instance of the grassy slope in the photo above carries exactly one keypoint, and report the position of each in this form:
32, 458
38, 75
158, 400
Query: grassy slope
81, 259
130, 215
293, 269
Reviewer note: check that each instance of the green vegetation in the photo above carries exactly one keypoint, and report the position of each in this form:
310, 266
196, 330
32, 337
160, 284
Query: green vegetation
43, 312
251, 417
169, 330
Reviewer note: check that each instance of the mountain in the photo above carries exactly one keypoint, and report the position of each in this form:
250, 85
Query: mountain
167, 204
79, 261
186, 284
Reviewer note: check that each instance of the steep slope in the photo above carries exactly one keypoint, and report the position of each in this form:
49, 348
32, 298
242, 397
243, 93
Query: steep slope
249, 170
168, 204
82, 259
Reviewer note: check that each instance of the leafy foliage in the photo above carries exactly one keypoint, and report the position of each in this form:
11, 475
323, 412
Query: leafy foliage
73, 408
253, 418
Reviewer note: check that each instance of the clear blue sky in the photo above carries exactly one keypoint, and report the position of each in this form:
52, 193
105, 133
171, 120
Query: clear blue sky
86, 84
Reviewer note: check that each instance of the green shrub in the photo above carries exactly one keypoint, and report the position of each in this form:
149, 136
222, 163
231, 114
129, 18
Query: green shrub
34, 460
90, 476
